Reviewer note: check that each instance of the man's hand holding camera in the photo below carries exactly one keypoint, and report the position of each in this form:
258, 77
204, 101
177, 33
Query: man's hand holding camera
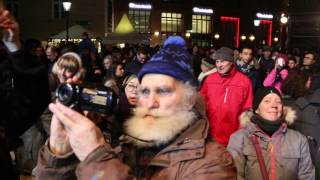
71, 130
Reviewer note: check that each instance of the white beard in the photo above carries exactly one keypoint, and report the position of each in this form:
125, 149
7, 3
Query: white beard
158, 129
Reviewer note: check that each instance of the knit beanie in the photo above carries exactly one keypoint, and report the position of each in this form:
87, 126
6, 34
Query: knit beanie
261, 93
172, 60
224, 53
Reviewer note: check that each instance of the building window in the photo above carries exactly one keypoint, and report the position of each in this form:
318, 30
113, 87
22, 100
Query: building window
57, 9
171, 22
12, 6
201, 24
140, 20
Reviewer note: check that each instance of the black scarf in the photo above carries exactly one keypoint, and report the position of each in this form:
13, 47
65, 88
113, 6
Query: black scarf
268, 127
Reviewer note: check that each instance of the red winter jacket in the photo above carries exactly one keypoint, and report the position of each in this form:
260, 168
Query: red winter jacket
226, 98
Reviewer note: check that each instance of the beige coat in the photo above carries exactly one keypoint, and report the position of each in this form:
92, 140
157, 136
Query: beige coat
289, 148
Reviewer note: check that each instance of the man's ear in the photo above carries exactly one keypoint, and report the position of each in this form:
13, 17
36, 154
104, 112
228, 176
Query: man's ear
190, 103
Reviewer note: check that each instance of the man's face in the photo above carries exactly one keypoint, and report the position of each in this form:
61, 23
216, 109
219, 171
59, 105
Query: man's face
308, 60
163, 111
267, 54
107, 63
291, 64
246, 55
223, 66
142, 57
51, 54
160, 92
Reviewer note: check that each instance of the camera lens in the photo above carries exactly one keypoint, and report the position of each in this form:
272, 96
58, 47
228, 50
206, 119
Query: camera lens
65, 94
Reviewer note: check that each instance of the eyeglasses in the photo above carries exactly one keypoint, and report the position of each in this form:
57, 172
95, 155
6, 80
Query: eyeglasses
131, 87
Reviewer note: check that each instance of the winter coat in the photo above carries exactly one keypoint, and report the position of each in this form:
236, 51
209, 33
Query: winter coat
270, 80
190, 156
251, 72
286, 154
24, 94
308, 123
226, 97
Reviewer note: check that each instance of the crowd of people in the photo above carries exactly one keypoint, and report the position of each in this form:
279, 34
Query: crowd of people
200, 113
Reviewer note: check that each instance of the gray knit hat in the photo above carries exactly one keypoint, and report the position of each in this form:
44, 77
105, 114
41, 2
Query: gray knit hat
223, 53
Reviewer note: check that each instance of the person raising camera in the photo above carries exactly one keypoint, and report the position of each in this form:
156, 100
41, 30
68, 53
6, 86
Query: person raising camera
166, 138
276, 77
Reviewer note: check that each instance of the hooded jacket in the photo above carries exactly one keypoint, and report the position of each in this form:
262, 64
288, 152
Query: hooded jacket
286, 153
190, 156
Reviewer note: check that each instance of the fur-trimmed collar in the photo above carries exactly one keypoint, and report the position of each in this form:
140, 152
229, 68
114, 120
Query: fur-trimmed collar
289, 116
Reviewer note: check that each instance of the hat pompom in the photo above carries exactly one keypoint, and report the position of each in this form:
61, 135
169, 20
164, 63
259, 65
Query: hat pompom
175, 40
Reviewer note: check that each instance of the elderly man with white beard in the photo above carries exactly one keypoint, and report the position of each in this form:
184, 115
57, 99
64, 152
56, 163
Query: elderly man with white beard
166, 138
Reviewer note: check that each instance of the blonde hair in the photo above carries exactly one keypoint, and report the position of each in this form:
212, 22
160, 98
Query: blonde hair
69, 61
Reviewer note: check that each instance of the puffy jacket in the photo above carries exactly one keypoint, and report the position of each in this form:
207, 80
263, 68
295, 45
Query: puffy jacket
190, 156
286, 153
226, 97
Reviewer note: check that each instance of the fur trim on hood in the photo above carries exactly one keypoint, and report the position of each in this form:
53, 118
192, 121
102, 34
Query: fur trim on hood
289, 116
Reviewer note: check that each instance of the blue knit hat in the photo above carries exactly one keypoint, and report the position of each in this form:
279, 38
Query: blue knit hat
172, 60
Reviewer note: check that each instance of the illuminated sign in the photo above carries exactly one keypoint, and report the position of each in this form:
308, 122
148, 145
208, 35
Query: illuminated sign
202, 10
264, 16
140, 6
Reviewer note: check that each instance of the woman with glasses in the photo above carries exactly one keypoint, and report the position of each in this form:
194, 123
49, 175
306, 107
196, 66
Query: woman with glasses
127, 102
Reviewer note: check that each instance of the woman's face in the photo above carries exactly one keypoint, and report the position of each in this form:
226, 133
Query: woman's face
119, 71
131, 91
270, 107
64, 74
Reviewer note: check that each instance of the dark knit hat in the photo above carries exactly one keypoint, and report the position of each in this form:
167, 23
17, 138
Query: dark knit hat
172, 60
224, 53
261, 93
208, 62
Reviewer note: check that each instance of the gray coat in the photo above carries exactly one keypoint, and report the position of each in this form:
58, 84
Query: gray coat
308, 123
290, 151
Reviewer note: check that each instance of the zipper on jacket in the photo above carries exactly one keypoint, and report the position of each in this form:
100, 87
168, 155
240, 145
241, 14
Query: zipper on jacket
272, 156
225, 95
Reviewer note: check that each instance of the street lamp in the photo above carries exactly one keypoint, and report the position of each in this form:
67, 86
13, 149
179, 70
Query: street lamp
217, 36
283, 30
67, 6
252, 38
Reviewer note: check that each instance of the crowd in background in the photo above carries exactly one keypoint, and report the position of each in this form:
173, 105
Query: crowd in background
229, 81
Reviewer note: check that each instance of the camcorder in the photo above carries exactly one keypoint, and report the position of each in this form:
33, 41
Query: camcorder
93, 98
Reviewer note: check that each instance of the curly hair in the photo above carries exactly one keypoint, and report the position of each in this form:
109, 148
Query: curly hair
295, 84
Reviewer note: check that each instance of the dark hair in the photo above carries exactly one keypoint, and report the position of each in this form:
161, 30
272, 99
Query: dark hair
292, 58
294, 84
246, 47
142, 50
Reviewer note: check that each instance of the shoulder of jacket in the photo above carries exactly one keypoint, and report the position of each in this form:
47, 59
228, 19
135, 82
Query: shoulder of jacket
302, 102
295, 136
